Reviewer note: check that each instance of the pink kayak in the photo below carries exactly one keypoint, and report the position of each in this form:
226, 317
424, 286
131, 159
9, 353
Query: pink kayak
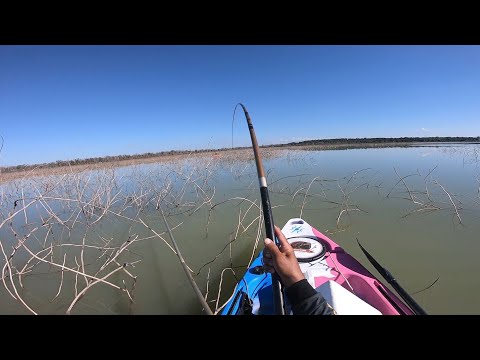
344, 283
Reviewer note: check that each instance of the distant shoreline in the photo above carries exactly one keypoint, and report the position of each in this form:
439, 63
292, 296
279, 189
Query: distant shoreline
9, 173
347, 146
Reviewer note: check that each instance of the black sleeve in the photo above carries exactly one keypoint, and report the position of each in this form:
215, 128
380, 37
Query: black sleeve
306, 301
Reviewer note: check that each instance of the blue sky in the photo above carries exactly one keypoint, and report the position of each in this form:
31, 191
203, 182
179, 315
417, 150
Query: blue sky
67, 102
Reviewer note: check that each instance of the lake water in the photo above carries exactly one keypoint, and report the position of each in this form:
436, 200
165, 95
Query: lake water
415, 209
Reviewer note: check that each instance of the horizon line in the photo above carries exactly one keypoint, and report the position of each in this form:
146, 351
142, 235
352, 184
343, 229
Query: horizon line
331, 141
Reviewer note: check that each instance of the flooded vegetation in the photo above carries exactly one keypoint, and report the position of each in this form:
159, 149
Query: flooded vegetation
93, 241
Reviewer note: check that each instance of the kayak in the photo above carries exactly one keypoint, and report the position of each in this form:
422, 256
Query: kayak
347, 286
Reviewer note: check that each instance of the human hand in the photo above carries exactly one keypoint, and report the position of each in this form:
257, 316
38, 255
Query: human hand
282, 260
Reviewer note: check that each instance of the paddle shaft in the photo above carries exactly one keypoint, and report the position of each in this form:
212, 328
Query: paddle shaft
267, 214
391, 280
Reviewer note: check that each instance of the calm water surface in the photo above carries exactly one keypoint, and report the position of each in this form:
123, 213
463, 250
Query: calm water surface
391, 199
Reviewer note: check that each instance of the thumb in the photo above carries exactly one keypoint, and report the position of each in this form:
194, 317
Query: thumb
270, 245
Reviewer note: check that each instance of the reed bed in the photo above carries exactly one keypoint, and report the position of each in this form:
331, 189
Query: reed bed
56, 223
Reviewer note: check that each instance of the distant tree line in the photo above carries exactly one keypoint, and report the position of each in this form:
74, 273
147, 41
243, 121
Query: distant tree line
106, 159
383, 140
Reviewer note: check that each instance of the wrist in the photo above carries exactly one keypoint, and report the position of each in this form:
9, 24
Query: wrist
290, 280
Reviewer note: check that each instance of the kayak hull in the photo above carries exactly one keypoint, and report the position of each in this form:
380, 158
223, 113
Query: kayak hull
345, 283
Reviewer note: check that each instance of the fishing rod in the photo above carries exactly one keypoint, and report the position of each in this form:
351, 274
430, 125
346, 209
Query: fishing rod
267, 214
391, 280
185, 268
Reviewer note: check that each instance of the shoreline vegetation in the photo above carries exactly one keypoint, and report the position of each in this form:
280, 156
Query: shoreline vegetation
95, 228
8, 173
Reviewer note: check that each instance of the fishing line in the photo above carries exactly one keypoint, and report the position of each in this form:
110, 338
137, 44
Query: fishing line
233, 120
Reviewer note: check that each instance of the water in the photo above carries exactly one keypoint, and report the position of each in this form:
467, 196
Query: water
391, 199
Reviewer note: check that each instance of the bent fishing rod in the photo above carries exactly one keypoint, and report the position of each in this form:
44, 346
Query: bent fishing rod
391, 280
267, 214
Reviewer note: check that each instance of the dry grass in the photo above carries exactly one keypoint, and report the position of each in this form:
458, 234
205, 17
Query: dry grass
227, 155
57, 217
55, 220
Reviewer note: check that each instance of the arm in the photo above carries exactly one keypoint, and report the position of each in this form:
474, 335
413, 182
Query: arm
306, 301
302, 296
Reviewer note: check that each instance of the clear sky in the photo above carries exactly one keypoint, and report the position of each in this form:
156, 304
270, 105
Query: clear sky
67, 102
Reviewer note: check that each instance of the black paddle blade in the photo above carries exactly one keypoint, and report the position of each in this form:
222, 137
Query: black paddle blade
391, 280
384, 272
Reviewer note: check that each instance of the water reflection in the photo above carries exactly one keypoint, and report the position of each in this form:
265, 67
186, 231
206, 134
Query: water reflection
416, 208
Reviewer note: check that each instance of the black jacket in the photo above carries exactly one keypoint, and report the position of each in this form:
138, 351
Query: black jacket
306, 301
